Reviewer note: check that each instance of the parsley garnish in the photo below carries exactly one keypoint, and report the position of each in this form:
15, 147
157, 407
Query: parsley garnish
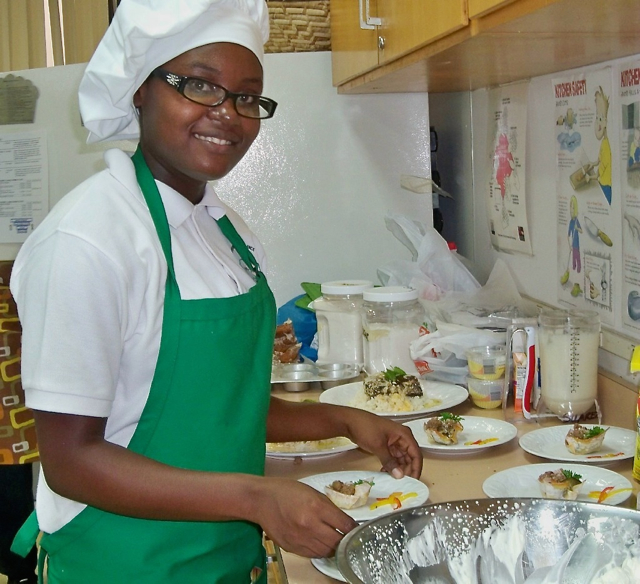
393, 374
449, 416
595, 431
569, 475
362, 481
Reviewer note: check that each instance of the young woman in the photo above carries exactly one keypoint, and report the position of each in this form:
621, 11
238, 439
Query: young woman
149, 326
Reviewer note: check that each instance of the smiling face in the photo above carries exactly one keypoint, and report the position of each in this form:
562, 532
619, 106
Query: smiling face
602, 106
187, 144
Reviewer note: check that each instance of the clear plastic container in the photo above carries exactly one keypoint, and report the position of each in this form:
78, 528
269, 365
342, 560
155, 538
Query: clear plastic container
487, 362
485, 393
392, 317
338, 313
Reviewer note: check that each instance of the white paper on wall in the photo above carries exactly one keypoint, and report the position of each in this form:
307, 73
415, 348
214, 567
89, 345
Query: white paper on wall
588, 220
24, 184
506, 200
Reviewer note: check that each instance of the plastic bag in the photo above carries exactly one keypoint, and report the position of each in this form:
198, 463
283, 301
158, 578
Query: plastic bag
434, 269
442, 354
304, 323
475, 308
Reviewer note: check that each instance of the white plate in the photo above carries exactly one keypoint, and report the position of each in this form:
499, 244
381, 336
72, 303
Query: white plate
383, 486
328, 567
618, 444
310, 449
522, 481
476, 429
449, 395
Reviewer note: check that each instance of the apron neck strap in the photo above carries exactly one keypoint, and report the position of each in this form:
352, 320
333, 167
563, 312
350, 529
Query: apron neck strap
237, 243
154, 202
156, 208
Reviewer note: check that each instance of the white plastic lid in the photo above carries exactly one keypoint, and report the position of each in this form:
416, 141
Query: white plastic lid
390, 294
345, 287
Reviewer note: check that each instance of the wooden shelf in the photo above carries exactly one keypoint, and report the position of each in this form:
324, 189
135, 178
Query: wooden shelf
524, 39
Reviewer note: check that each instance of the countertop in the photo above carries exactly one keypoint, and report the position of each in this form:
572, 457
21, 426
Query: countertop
449, 477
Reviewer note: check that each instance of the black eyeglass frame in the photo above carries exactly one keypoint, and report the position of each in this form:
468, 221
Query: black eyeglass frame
179, 82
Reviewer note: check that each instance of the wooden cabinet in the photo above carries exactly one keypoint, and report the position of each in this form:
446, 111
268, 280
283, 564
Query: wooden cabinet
370, 33
480, 7
504, 41
408, 24
354, 50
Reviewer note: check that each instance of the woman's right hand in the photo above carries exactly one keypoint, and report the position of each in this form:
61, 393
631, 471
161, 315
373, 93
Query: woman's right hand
299, 519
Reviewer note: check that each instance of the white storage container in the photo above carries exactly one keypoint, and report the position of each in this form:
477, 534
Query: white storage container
338, 313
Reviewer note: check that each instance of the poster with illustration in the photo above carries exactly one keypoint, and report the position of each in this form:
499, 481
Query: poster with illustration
588, 209
629, 91
506, 200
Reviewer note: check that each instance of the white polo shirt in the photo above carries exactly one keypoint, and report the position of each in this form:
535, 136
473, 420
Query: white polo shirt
89, 285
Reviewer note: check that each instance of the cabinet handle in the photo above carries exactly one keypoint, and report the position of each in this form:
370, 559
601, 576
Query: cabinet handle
368, 22
381, 42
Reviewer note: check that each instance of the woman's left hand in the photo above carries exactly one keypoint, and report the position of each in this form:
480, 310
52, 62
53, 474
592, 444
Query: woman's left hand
391, 442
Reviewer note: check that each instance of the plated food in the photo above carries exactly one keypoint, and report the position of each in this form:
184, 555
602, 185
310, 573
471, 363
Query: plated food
350, 494
619, 444
583, 440
310, 448
392, 390
598, 484
436, 396
286, 348
477, 434
386, 494
560, 484
443, 429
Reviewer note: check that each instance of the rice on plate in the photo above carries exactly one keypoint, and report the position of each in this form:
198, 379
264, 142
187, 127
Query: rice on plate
392, 403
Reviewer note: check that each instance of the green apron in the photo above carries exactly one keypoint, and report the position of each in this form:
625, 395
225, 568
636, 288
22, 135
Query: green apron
206, 411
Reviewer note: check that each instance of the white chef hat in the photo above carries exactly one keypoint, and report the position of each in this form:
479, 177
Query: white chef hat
145, 34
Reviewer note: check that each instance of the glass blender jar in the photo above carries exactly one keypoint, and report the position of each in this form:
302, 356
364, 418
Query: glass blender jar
568, 342
392, 317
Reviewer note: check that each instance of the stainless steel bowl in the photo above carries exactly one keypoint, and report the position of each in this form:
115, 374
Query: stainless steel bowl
490, 541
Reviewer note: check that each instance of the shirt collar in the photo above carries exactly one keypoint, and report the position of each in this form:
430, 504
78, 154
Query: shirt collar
179, 208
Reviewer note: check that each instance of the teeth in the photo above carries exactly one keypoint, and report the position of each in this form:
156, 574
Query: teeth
213, 139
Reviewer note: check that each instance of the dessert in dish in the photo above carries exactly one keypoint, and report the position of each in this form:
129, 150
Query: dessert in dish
583, 440
392, 381
560, 484
349, 495
286, 348
444, 429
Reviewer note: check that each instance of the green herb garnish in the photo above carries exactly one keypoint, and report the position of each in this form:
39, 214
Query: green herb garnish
362, 481
595, 431
393, 374
570, 475
449, 416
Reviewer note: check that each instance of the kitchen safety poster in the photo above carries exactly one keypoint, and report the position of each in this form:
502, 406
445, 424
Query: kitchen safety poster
588, 229
629, 88
506, 200
24, 184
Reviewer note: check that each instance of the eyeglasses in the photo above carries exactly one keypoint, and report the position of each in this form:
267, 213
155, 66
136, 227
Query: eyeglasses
206, 93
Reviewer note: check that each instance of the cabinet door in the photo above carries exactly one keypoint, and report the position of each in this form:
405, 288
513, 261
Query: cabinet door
408, 24
480, 7
353, 50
